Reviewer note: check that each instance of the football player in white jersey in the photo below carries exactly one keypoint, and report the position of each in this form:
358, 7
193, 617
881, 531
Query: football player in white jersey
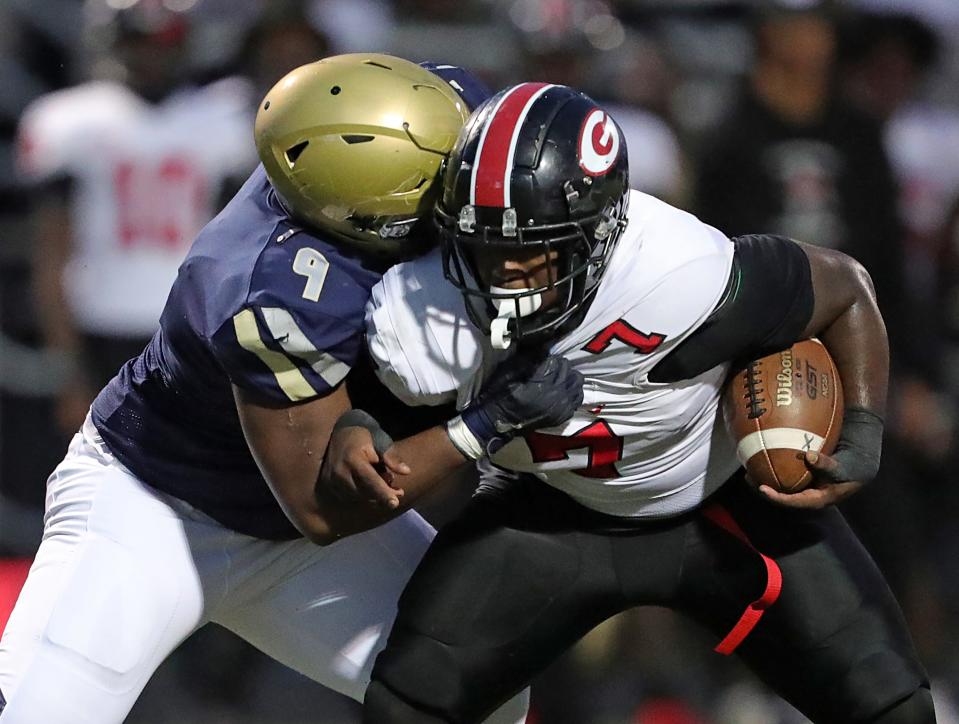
125, 171
638, 498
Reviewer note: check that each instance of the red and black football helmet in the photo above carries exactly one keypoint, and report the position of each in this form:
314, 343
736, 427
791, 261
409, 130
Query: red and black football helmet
537, 167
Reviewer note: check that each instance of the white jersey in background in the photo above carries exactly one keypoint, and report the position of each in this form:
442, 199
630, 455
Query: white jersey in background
635, 448
146, 178
654, 153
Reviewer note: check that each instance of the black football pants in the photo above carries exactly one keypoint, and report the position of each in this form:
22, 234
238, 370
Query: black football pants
523, 573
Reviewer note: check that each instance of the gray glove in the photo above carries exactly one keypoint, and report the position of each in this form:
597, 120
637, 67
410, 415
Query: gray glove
859, 448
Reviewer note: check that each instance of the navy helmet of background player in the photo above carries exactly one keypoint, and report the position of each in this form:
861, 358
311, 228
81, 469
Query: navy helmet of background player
554, 199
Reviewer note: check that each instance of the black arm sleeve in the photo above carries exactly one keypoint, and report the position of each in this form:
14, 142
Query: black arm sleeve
767, 304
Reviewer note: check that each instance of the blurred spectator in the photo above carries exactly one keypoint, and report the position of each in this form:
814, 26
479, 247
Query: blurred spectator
798, 160
641, 73
35, 50
887, 60
561, 39
636, 85
357, 25
583, 44
939, 13
125, 172
656, 163
794, 159
283, 38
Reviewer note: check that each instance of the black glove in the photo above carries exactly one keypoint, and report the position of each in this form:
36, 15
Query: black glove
522, 397
859, 447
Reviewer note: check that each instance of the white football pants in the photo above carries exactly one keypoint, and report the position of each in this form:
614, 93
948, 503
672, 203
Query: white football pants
125, 573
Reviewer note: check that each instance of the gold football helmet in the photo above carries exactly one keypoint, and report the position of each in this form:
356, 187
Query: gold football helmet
353, 145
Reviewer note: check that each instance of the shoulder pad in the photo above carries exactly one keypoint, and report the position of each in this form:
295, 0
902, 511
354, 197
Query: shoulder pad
419, 334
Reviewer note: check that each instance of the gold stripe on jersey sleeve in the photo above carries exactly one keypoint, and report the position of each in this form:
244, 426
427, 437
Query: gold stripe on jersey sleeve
295, 343
288, 377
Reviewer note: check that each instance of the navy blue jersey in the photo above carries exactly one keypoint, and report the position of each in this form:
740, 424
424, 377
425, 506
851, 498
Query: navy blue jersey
259, 303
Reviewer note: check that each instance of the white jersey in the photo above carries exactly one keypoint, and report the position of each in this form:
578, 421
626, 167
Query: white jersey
634, 448
146, 179
923, 146
655, 158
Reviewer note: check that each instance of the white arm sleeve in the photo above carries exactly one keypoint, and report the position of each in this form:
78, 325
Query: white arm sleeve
419, 334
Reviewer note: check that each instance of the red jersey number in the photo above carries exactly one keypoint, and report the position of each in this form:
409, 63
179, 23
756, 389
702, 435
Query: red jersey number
605, 448
160, 205
627, 334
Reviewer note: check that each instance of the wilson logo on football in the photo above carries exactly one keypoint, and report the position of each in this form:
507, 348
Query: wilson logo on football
598, 143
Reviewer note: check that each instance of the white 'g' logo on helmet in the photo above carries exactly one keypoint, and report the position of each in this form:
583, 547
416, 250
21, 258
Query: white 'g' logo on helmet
598, 143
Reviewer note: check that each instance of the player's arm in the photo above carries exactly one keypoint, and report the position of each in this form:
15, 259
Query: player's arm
288, 346
522, 397
288, 400
781, 291
847, 319
355, 470
52, 249
426, 357
289, 443
51, 145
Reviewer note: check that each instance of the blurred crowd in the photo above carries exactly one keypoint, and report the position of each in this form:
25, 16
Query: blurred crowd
126, 124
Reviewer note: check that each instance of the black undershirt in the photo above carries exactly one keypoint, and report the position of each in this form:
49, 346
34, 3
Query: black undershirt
767, 305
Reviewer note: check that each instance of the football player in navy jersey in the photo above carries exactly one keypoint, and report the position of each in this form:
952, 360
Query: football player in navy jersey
638, 498
189, 494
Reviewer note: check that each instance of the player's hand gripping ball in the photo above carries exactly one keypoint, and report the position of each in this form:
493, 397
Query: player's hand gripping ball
781, 407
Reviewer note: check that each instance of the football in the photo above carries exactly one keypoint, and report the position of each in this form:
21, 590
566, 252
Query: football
781, 406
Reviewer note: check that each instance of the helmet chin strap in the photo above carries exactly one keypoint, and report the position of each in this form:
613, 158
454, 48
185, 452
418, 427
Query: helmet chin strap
508, 306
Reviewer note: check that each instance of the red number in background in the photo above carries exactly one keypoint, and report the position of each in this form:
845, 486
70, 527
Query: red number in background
162, 205
605, 448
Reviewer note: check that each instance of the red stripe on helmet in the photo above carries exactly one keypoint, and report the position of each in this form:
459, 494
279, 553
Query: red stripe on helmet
494, 154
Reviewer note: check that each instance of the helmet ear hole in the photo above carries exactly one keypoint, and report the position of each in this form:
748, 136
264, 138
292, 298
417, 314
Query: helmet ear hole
352, 138
294, 152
